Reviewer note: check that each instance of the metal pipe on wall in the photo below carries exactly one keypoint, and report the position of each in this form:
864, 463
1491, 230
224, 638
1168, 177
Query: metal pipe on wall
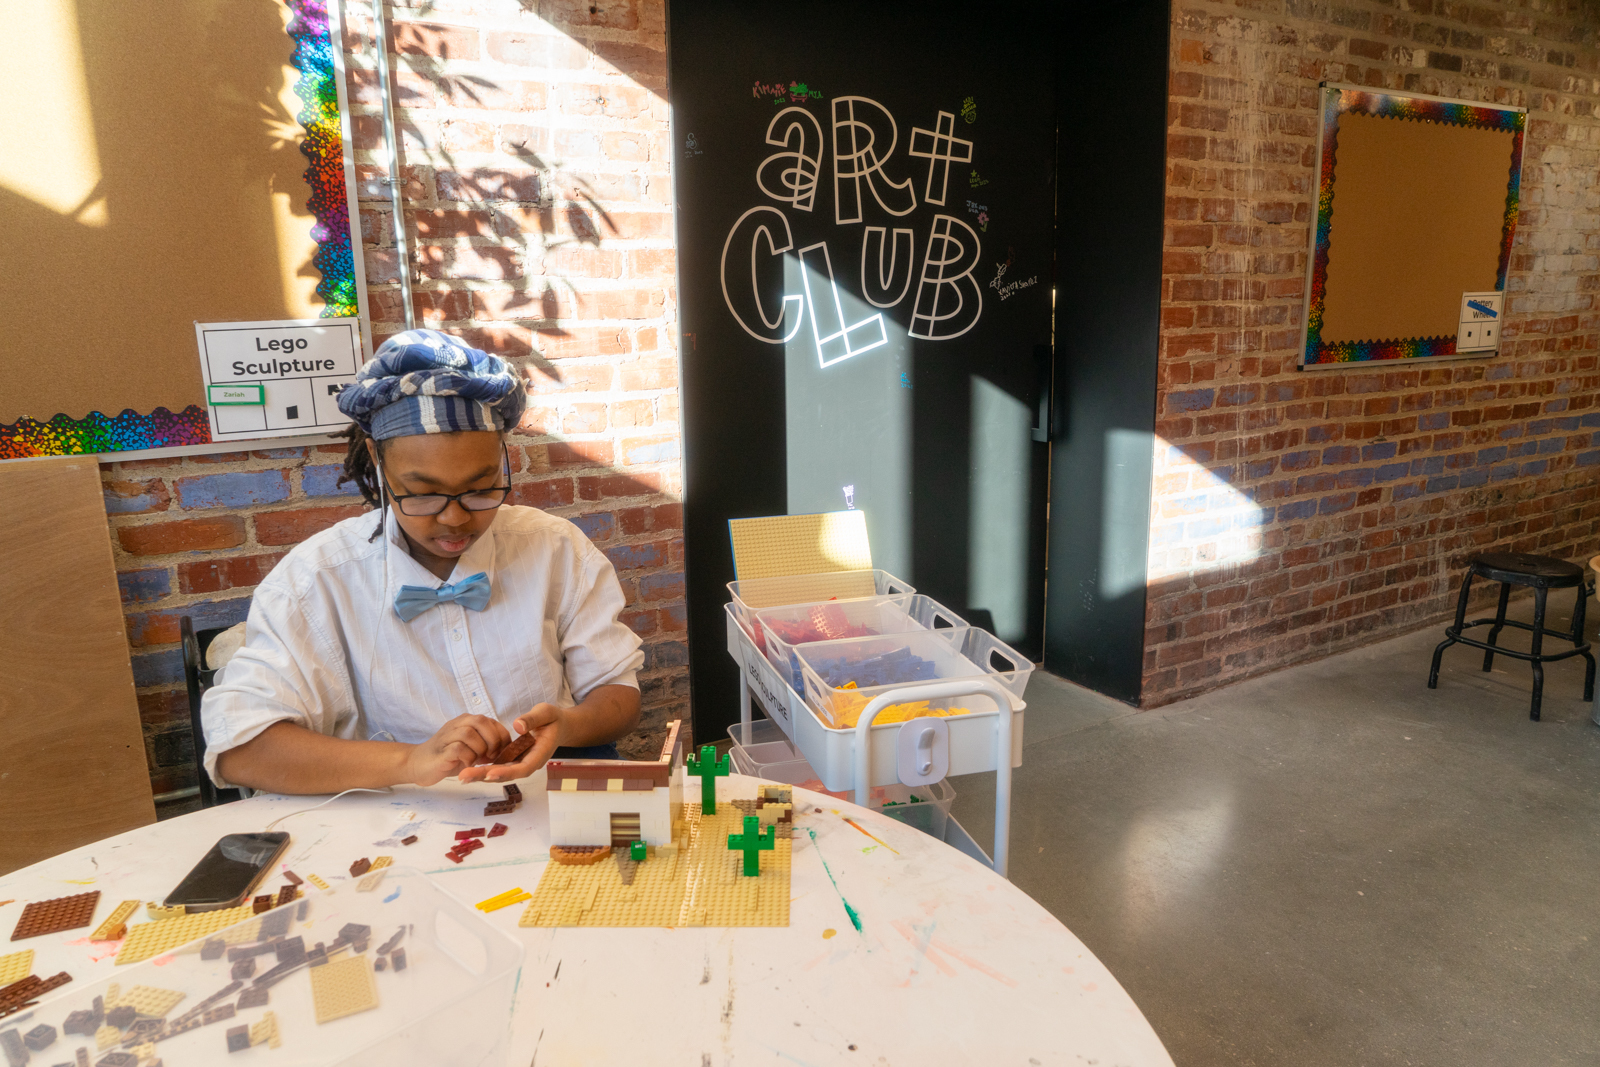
392, 139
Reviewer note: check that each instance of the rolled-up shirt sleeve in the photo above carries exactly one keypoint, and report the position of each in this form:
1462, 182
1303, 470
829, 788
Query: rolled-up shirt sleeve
596, 646
282, 674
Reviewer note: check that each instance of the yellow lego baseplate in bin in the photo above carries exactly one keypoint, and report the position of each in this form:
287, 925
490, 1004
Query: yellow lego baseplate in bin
780, 545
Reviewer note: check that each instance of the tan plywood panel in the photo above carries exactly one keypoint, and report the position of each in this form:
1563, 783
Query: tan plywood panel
1418, 209
73, 768
150, 176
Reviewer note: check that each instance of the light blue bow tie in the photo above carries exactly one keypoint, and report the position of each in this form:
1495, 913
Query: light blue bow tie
413, 600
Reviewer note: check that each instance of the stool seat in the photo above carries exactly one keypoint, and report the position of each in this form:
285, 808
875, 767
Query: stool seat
1541, 574
1519, 568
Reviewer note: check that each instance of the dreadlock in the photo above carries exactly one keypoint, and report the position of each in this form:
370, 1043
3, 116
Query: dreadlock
359, 468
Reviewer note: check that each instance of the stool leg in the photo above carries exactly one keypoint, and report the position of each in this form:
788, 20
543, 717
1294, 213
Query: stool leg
1499, 624
1539, 594
1453, 632
1578, 618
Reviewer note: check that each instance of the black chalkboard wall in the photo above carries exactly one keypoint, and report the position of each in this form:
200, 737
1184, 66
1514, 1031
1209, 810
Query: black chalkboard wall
866, 246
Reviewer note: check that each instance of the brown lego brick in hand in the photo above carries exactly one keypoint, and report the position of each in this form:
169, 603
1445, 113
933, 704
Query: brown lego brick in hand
53, 916
515, 750
360, 867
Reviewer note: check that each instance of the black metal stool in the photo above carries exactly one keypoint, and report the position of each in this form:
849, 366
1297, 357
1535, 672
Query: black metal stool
1542, 574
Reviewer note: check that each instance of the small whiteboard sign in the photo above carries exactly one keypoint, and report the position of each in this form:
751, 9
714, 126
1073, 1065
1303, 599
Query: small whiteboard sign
277, 379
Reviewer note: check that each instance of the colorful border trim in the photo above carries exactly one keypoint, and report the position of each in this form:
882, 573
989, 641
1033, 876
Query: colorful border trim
323, 146
1383, 105
95, 432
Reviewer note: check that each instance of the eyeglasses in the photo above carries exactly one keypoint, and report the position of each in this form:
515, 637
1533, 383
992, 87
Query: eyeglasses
421, 504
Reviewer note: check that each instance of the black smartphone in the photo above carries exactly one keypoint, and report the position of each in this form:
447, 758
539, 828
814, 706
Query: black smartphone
227, 874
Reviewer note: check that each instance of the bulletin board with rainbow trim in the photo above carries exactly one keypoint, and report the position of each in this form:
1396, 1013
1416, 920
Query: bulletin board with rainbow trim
162, 164
1417, 204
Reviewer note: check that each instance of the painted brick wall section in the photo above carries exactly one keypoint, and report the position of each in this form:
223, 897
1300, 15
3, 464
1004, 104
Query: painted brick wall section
536, 189
1298, 513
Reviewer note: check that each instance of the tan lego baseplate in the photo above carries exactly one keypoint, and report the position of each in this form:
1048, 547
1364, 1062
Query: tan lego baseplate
116, 925
146, 1000
266, 1031
343, 988
106, 1036
151, 939
781, 545
16, 966
697, 882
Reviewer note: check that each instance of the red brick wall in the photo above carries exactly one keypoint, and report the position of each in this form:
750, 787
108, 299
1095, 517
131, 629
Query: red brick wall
536, 188
1298, 513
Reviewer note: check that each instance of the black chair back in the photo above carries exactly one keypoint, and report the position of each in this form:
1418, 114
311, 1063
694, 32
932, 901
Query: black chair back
199, 678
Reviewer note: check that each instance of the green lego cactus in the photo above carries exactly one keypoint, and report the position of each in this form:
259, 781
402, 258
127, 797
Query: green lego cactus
753, 843
709, 769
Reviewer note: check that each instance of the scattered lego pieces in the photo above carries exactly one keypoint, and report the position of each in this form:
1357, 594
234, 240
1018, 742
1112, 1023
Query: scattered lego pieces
151, 939
318, 882
578, 855
463, 835
637, 851
388, 946
499, 807
118, 1059
360, 867
344, 988
40, 1037
411, 840
501, 900
266, 1031
708, 769
53, 916
16, 966
238, 1039
254, 997
218, 1014
115, 927
497, 830
19, 994
121, 1017
514, 750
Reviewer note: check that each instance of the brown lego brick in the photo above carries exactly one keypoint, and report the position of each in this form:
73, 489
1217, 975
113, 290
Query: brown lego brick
579, 855
254, 997
261, 903
218, 1014
286, 895
512, 792
53, 916
292, 878
121, 1016
40, 1037
238, 1039
118, 1059
594, 774
380, 964
83, 1021
497, 830
360, 867
142, 1031
11, 1045
500, 807
388, 946
244, 968
398, 959
515, 750
411, 840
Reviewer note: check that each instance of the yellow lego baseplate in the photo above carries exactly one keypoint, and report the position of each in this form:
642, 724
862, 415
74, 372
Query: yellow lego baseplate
266, 1031
343, 988
700, 882
780, 545
16, 966
116, 925
154, 938
144, 999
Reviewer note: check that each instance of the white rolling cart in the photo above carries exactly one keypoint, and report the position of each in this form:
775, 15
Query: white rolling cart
917, 752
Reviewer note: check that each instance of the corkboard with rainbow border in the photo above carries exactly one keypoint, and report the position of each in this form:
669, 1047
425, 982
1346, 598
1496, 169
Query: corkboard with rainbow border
1416, 204
162, 164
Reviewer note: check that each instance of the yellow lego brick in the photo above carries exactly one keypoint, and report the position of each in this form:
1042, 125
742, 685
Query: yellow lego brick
502, 900
16, 967
381, 861
161, 911
370, 881
318, 882
148, 1000
152, 939
343, 988
146, 1053
107, 1036
266, 1031
784, 545
116, 924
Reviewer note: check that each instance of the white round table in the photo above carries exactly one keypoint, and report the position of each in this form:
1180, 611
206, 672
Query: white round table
951, 964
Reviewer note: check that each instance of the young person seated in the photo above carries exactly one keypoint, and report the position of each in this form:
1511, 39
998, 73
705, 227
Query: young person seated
412, 644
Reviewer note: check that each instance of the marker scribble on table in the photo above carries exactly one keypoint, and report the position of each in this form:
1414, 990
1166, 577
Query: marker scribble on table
855, 920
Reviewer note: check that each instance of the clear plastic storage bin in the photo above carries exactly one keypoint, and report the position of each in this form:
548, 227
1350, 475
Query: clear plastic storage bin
782, 628
842, 677
450, 1001
753, 594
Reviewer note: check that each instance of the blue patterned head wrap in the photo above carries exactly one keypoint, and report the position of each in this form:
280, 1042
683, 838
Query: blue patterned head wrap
424, 381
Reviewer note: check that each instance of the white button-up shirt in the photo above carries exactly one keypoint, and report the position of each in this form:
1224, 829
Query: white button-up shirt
324, 648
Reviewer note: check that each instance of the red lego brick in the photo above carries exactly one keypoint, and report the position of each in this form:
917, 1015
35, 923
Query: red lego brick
409, 840
360, 867
497, 830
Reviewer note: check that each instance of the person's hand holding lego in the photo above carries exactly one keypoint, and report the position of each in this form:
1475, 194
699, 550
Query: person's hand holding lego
543, 724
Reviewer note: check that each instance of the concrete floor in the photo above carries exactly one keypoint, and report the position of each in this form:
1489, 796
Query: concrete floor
1332, 864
